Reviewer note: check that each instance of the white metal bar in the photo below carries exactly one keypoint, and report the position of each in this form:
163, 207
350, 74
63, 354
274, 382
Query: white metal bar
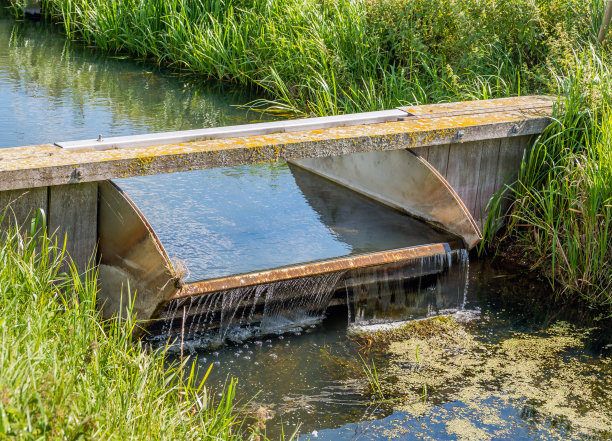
259, 129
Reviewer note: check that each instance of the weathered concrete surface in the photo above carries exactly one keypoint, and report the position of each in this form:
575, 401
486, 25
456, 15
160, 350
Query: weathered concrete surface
239, 131
45, 165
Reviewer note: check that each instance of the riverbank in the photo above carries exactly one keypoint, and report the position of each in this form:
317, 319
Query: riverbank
352, 56
322, 58
561, 218
67, 374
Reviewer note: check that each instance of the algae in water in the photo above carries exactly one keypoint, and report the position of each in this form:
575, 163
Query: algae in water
538, 382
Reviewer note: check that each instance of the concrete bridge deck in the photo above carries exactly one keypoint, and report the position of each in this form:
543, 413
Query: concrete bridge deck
410, 127
439, 163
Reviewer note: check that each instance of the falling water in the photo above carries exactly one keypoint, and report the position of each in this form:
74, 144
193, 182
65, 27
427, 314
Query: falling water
420, 288
241, 313
393, 292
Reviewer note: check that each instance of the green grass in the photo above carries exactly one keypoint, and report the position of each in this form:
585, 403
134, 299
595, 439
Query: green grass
562, 214
322, 58
66, 374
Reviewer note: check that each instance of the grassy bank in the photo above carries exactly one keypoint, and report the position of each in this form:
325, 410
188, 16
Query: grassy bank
562, 214
324, 58
321, 58
68, 375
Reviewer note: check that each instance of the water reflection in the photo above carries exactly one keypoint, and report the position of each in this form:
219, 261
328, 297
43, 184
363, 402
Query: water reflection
54, 90
239, 219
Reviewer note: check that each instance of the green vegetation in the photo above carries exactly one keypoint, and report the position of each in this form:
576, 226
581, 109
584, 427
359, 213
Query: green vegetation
337, 56
562, 215
320, 58
66, 374
544, 376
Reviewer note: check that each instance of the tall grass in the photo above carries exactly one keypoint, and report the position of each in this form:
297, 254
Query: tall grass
562, 214
328, 57
65, 374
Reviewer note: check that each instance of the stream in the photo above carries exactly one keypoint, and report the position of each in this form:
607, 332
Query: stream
487, 353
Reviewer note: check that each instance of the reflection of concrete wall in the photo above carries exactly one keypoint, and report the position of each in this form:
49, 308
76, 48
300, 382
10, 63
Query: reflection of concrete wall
403, 181
448, 185
32, 7
360, 222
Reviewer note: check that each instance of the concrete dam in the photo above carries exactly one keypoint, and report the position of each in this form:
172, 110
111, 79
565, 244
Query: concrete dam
439, 164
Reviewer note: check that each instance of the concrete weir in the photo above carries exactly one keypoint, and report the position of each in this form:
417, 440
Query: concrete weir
439, 163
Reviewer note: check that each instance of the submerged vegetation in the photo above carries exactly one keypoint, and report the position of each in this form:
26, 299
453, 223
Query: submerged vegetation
537, 375
66, 374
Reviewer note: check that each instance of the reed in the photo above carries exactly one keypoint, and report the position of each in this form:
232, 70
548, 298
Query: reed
321, 58
562, 214
67, 374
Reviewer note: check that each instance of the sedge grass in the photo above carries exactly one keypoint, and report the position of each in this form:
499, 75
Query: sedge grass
323, 58
562, 214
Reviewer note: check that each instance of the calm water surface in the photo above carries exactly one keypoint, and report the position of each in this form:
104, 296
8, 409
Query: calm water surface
245, 218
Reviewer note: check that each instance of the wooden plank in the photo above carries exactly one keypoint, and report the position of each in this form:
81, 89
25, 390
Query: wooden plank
423, 152
463, 171
511, 153
47, 165
487, 179
18, 206
438, 158
73, 212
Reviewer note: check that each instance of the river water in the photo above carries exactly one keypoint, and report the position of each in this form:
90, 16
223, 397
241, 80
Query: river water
507, 364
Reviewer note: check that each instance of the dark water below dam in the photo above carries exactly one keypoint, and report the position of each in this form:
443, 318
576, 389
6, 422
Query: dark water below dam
495, 357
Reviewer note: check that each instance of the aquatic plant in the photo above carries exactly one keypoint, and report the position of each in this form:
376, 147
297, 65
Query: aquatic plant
68, 374
477, 379
371, 373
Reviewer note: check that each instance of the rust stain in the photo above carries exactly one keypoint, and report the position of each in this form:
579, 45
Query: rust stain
310, 269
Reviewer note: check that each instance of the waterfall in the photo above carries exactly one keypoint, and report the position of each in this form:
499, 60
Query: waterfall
241, 313
393, 292
415, 289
